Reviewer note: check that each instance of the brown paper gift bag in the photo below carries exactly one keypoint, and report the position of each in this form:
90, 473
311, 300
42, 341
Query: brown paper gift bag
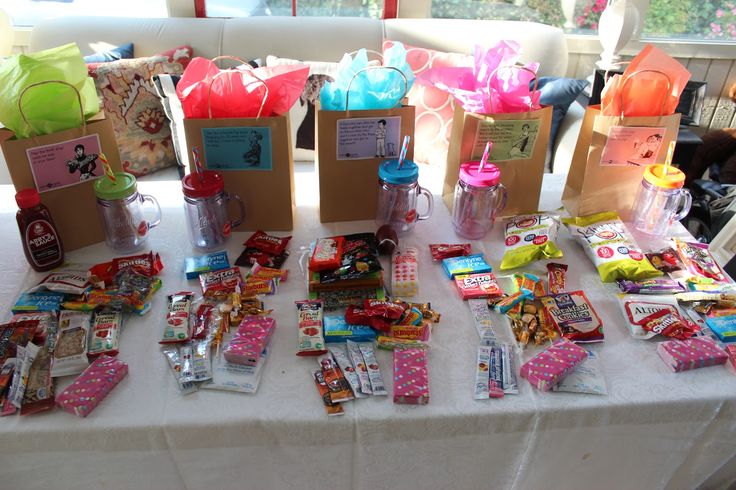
518, 151
67, 190
594, 185
347, 170
255, 160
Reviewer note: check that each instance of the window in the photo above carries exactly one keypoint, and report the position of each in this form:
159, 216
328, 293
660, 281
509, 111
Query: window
713, 20
327, 8
29, 12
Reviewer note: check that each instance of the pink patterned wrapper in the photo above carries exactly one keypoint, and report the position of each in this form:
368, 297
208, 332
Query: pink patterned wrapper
731, 349
549, 367
249, 341
411, 376
697, 352
92, 386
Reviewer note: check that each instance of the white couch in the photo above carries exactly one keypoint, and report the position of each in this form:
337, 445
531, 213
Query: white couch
314, 39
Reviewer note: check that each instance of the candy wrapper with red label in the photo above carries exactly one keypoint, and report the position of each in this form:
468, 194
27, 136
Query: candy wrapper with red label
556, 277
665, 260
105, 334
385, 309
262, 272
218, 284
478, 286
103, 275
697, 352
550, 366
205, 91
45, 320
311, 341
92, 386
251, 338
272, 245
68, 282
699, 262
574, 316
331, 407
337, 384
441, 251
327, 254
177, 318
251, 256
670, 325
411, 376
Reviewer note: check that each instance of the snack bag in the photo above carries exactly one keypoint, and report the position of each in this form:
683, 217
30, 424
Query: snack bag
70, 351
529, 238
609, 246
574, 316
636, 308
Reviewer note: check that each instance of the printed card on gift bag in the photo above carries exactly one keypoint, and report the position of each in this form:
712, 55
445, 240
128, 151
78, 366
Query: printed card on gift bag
65, 163
237, 148
512, 139
368, 137
626, 146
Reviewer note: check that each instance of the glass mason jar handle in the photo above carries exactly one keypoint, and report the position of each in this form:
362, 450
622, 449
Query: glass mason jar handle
154, 202
686, 200
501, 198
241, 206
430, 203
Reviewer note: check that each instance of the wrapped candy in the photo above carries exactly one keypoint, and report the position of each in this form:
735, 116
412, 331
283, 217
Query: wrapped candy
411, 376
697, 352
549, 367
92, 386
493, 85
206, 91
369, 89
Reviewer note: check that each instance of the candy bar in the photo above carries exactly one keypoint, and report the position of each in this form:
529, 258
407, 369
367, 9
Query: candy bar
392, 343
371, 364
471, 264
177, 318
574, 317
411, 316
68, 282
220, 283
482, 373
556, 277
250, 340
92, 386
385, 309
550, 366
411, 376
327, 254
341, 358
255, 286
495, 383
412, 332
442, 251
507, 303
724, 327
215, 261
311, 341
657, 285
263, 272
405, 273
336, 329
697, 352
477, 285
665, 260
609, 246
356, 358
70, 351
510, 383
269, 244
331, 408
529, 238
105, 335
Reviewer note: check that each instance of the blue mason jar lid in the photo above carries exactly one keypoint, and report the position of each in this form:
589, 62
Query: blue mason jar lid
390, 172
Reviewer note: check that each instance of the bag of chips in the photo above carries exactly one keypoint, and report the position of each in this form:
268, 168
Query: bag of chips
528, 238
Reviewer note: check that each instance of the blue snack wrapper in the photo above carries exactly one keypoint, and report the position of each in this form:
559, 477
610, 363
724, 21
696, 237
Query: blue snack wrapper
338, 330
215, 261
724, 327
470, 264
42, 301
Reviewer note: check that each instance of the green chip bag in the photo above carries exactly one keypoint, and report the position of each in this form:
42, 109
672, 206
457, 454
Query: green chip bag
610, 247
528, 238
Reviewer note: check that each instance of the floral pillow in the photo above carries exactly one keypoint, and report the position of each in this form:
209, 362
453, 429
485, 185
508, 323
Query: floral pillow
131, 103
433, 119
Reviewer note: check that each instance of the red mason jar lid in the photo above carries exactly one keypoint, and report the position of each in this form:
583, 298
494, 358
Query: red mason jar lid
205, 184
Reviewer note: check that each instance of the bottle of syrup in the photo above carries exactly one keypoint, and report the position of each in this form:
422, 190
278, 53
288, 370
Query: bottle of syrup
41, 242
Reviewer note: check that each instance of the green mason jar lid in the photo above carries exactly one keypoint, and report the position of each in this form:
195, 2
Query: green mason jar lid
124, 186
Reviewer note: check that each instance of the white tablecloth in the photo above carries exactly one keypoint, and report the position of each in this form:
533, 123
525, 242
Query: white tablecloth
655, 429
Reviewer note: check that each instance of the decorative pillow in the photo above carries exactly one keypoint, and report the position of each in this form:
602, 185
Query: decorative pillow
559, 93
122, 52
130, 101
433, 123
302, 114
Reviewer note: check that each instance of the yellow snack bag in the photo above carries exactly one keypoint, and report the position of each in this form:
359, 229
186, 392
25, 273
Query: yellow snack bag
609, 246
530, 237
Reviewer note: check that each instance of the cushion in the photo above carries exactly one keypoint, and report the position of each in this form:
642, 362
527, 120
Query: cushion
124, 51
130, 102
434, 111
559, 93
302, 114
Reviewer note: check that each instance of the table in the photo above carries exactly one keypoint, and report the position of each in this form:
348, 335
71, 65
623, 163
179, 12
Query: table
655, 429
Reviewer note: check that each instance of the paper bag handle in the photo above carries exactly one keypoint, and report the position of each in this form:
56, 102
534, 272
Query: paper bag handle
372, 51
518, 67
639, 72
257, 80
23, 92
367, 68
234, 58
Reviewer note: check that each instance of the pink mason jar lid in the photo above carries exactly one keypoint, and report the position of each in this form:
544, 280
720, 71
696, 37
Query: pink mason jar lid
489, 177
